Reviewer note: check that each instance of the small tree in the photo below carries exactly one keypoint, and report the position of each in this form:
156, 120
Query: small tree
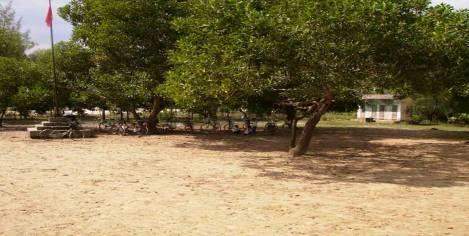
13, 44
74, 64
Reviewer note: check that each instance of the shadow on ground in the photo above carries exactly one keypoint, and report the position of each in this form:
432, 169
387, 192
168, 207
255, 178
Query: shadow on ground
429, 158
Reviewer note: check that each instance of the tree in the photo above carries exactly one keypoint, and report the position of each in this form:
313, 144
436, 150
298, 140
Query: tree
302, 53
74, 65
129, 41
13, 44
444, 61
9, 70
33, 91
216, 62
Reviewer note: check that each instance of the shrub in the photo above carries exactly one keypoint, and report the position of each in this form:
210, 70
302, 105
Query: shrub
416, 119
462, 118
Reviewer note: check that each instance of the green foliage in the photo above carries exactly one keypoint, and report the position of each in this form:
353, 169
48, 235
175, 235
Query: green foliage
129, 41
10, 80
13, 42
431, 108
214, 61
14, 70
73, 65
441, 52
21, 86
340, 116
233, 51
462, 118
416, 119
243, 55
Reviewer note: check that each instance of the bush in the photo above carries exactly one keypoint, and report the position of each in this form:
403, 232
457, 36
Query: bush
462, 118
416, 119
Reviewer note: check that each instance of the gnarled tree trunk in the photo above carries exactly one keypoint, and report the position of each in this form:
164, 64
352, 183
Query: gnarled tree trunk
305, 139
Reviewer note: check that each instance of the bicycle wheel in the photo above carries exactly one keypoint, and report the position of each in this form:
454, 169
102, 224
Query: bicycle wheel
216, 126
189, 127
270, 128
172, 126
114, 129
204, 127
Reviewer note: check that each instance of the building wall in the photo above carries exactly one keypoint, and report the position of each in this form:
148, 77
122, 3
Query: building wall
385, 110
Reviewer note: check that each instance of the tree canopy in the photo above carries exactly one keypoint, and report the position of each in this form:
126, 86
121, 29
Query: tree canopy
304, 53
129, 41
14, 69
292, 56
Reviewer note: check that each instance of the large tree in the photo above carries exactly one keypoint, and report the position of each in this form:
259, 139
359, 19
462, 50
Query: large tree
303, 54
129, 41
220, 56
444, 61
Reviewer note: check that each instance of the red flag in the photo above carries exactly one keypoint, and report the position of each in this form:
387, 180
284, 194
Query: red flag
49, 17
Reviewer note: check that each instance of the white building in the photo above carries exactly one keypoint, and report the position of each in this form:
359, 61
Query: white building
384, 107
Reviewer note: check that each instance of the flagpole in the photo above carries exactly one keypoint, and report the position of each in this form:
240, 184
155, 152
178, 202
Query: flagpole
54, 72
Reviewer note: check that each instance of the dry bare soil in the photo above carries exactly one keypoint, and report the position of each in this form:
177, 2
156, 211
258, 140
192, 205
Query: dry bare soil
353, 182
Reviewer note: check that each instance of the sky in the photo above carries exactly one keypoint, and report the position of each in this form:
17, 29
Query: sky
33, 14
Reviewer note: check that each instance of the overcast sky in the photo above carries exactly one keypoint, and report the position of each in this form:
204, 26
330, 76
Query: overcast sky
33, 13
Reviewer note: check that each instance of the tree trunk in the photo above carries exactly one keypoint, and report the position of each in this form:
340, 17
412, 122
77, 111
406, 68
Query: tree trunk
103, 114
305, 139
2, 114
136, 115
247, 121
121, 114
127, 118
157, 107
294, 131
291, 116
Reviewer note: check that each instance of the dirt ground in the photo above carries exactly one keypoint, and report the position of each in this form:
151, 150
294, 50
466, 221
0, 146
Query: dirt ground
354, 181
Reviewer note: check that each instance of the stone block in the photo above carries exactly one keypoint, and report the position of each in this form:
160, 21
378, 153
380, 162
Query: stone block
60, 134
47, 123
59, 119
53, 127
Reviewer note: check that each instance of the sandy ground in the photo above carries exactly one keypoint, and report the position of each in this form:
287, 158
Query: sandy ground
354, 182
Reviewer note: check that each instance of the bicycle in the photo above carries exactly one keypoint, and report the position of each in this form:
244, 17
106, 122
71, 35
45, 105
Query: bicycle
121, 128
139, 128
210, 125
169, 125
230, 125
271, 127
108, 126
286, 125
188, 125
249, 126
